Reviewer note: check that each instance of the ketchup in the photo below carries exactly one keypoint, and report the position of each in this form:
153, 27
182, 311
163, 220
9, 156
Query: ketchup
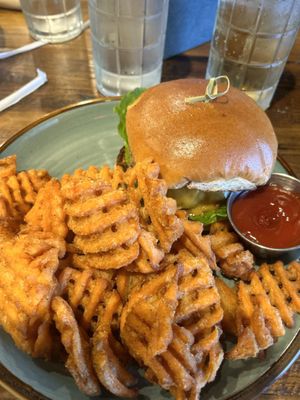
269, 216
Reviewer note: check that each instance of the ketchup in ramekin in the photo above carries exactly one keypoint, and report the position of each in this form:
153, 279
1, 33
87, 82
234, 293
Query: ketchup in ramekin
269, 216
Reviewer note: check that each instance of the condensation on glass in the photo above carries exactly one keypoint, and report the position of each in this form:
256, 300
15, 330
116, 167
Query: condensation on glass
251, 43
53, 20
128, 41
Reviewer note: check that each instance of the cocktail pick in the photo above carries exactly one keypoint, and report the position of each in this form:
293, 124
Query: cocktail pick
211, 91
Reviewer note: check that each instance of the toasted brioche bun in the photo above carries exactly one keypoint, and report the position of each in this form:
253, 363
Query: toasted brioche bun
225, 144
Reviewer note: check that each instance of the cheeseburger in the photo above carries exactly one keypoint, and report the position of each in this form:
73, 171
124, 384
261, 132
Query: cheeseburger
225, 144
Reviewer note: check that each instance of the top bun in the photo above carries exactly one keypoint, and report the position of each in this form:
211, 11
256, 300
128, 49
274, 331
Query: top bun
225, 144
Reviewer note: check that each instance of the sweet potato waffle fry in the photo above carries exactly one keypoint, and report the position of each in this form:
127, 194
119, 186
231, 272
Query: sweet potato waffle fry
79, 361
157, 212
8, 227
113, 259
18, 192
103, 220
146, 320
176, 369
233, 259
190, 353
106, 352
229, 305
84, 291
162, 347
120, 219
28, 263
264, 305
199, 311
150, 255
8, 166
127, 281
47, 212
194, 241
91, 299
282, 288
107, 267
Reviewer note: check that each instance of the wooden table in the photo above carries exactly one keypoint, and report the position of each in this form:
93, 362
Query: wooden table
71, 79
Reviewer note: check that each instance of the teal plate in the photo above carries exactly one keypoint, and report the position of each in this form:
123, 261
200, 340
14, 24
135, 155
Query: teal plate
76, 137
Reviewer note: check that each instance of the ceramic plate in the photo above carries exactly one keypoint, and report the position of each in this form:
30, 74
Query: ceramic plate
76, 137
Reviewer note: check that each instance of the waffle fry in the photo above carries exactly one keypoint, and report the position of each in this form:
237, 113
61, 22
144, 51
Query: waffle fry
127, 281
264, 306
48, 213
251, 326
150, 256
178, 369
8, 166
28, 263
5, 213
117, 221
109, 369
147, 329
136, 281
124, 235
246, 347
8, 228
194, 241
157, 212
85, 291
114, 259
94, 173
103, 220
82, 185
18, 192
282, 289
118, 178
233, 259
79, 359
196, 285
146, 320
175, 369
229, 306
199, 311
293, 274
190, 353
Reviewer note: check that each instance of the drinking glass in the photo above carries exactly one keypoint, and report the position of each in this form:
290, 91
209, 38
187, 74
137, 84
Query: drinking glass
251, 43
128, 41
53, 20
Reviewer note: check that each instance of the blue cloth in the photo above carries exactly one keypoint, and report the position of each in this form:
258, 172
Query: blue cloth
190, 23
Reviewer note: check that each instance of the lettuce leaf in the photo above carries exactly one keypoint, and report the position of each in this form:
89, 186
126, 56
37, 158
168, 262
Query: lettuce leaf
211, 216
121, 110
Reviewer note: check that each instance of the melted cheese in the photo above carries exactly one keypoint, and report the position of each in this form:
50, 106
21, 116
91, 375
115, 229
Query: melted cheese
191, 198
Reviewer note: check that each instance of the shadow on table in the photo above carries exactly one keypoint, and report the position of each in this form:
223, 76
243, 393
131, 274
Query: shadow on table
286, 84
2, 38
183, 66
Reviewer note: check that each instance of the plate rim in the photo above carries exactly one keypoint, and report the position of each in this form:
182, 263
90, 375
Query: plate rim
23, 391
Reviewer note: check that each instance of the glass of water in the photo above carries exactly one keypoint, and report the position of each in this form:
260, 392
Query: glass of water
251, 43
128, 42
53, 20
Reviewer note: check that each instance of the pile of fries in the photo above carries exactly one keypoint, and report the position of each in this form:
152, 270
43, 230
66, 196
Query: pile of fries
100, 270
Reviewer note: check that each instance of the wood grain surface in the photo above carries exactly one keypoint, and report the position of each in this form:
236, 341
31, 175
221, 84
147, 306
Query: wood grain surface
71, 78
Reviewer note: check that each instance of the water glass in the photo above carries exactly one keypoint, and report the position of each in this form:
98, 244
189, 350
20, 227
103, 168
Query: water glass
53, 20
251, 43
128, 42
